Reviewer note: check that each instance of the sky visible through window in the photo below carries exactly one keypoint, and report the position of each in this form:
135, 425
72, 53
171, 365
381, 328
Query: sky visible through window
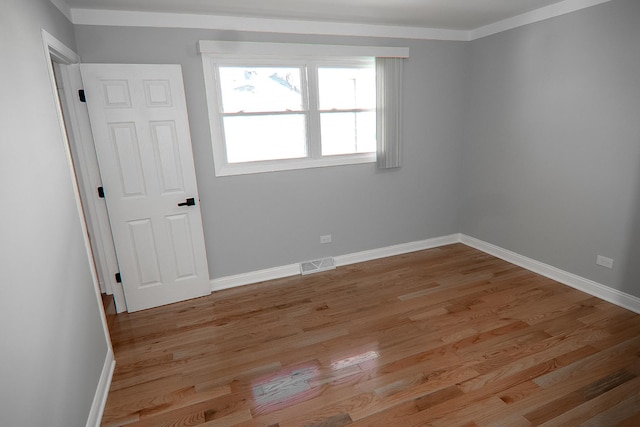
264, 114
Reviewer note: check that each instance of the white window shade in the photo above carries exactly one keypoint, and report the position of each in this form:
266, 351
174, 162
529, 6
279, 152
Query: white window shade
389, 112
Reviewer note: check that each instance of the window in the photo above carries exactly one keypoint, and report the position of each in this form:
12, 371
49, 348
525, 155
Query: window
263, 113
278, 108
347, 109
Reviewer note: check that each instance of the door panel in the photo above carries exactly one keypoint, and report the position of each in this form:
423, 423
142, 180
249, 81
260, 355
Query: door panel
139, 120
165, 143
125, 146
144, 251
178, 226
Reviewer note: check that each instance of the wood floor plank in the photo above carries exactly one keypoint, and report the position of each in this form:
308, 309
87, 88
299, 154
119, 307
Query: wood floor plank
449, 336
230, 420
628, 409
563, 403
467, 414
595, 406
603, 361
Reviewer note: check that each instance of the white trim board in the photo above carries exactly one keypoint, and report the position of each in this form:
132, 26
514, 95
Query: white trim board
537, 15
58, 50
394, 250
218, 47
342, 260
88, 174
590, 287
63, 7
264, 25
102, 391
289, 26
252, 277
55, 50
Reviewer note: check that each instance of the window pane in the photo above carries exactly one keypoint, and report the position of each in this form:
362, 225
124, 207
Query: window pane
268, 137
348, 133
256, 89
347, 88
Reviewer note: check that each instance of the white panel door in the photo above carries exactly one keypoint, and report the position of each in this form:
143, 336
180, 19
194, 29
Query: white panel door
139, 121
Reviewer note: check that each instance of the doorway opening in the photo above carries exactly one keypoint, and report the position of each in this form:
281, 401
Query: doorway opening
76, 132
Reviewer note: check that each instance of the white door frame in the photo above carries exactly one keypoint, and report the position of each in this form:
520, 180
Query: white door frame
56, 51
82, 146
82, 157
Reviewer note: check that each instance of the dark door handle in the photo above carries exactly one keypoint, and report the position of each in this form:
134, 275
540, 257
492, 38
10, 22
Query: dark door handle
189, 202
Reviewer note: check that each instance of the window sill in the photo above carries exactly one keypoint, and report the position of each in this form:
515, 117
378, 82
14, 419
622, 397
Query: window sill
292, 164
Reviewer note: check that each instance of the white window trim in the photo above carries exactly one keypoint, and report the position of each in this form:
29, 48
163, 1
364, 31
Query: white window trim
215, 53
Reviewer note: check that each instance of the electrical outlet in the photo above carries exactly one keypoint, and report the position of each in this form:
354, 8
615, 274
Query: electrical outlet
604, 261
325, 239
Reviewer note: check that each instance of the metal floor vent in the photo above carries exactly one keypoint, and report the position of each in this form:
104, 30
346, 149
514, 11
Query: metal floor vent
317, 265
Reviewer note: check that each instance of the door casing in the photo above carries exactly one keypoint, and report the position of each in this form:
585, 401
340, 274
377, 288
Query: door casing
88, 174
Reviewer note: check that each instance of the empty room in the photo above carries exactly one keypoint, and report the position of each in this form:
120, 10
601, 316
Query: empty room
320, 213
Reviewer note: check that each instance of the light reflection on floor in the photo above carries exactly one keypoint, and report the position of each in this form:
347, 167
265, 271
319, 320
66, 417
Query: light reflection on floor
284, 385
300, 383
354, 360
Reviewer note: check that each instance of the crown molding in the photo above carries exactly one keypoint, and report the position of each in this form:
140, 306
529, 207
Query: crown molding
63, 7
287, 26
547, 12
266, 25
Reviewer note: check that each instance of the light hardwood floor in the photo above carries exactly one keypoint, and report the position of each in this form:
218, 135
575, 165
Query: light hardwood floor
444, 337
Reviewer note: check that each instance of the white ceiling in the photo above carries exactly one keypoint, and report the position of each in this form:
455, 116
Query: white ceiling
462, 15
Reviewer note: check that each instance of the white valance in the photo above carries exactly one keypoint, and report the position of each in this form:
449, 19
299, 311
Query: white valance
298, 49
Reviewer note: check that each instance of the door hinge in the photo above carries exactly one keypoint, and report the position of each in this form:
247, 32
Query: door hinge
118, 278
101, 192
82, 96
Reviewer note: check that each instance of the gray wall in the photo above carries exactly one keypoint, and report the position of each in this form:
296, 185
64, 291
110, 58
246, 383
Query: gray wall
53, 342
552, 153
527, 139
264, 220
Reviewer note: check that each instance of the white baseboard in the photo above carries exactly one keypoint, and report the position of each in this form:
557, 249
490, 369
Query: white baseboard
102, 391
341, 260
606, 293
400, 249
254, 277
